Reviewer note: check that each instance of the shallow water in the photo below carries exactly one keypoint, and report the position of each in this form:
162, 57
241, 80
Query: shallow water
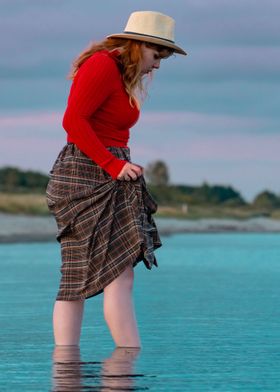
208, 319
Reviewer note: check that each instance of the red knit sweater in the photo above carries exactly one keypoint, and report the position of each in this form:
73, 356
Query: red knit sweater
98, 112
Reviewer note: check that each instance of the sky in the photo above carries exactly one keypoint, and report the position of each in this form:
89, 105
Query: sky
213, 116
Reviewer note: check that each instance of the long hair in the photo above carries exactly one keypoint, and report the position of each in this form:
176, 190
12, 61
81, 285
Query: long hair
129, 60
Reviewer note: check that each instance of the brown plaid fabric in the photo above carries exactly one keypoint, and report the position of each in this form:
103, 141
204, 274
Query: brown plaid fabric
104, 225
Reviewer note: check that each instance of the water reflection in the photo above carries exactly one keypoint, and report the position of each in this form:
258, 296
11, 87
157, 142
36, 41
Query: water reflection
114, 373
117, 371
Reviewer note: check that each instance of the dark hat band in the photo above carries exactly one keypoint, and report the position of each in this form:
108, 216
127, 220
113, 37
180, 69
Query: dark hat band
148, 35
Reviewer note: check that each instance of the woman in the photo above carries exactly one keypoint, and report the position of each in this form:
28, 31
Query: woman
97, 195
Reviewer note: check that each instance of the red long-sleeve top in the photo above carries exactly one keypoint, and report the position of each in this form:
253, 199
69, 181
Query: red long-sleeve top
98, 112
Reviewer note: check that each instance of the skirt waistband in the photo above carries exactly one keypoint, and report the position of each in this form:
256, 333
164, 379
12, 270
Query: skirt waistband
119, 152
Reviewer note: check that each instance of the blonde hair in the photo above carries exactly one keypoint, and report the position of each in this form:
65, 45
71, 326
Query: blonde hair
129, 61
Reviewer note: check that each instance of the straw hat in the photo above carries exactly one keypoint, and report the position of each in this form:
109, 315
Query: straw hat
151, 26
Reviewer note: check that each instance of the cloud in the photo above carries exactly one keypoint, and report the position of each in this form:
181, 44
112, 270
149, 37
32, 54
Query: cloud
188, 137
43, 35
232, 66
204, 123
29, 120
218, 63
180, 122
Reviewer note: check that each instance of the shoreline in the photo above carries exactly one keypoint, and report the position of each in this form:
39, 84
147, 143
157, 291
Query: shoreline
25, 228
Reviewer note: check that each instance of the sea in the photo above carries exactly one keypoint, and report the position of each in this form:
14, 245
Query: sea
208, 316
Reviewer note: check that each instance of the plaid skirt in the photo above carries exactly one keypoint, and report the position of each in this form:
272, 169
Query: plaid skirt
104, 225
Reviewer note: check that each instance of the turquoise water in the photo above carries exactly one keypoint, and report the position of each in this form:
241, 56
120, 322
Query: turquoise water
208, 318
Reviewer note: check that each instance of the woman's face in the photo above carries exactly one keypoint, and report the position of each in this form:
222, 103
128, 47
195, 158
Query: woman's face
151, 58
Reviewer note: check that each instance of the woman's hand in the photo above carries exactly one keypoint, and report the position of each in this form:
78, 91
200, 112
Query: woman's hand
130, 171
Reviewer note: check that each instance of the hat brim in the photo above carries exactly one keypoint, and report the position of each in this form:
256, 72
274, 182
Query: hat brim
147, 38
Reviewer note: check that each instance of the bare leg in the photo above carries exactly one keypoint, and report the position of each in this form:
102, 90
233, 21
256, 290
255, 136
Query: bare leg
67, 321
119, 310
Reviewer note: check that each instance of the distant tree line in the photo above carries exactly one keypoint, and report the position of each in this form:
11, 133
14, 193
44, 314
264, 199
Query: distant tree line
15, 180
157, 175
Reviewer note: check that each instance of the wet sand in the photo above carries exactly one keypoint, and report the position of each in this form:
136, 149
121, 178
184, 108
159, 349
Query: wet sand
23, 228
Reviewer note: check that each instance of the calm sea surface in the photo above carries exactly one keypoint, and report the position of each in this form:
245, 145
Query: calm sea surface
208, 318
